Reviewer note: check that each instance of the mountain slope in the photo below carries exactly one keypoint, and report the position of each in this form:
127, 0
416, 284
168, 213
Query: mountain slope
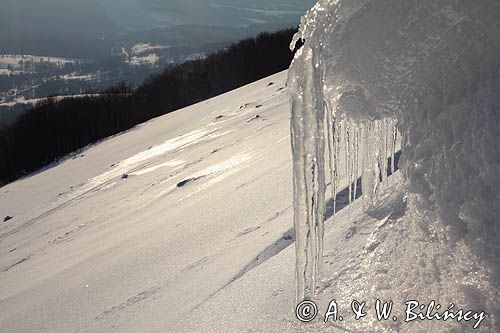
207, 189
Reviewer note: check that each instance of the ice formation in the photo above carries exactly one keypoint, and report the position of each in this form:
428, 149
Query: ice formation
429, 68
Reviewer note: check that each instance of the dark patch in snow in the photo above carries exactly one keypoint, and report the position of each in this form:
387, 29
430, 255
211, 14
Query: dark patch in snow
372, 246
187, 181
78, 156
219, 117
7, 218
124, 176
240, 186
270, 84
67, 234
247, 231
278, 214
195, 264
15, 264
253, 118
131, 301
265, 126
277, 292
350, 232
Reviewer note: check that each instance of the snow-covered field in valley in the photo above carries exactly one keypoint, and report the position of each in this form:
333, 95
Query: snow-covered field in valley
12, 64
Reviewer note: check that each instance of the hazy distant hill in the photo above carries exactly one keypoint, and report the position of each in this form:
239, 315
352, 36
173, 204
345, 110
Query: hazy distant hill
36, 26
229, 12
91, 28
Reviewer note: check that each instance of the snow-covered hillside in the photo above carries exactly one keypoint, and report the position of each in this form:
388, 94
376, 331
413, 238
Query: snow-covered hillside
136, 232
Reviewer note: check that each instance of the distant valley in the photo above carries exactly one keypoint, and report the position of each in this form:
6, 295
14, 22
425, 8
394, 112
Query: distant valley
103, 42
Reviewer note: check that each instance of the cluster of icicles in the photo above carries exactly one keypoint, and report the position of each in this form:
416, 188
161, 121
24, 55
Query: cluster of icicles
367, 151
433, 65
360, 156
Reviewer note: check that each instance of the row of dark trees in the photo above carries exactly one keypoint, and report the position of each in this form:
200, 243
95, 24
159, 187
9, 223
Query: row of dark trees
54, 128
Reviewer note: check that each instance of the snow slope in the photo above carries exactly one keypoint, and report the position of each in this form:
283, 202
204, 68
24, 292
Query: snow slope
208, 189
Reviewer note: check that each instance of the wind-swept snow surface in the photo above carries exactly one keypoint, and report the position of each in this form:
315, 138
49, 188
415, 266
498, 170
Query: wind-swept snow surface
135, 232
431, 68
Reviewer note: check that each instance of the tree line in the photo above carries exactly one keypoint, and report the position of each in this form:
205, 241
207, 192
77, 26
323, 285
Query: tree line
56, 127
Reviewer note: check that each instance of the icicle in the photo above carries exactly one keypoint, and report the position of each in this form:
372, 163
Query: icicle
378, 162
370, 176
366, 164
332, 147
354, 149
348, 159
353, 160
393, 150
308, 171
385, 155
356, 155
336, 150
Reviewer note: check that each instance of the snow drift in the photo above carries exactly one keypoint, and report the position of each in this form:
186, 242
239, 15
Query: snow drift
432, 68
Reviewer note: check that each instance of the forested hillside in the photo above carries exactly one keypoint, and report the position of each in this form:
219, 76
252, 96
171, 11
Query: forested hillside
54, 128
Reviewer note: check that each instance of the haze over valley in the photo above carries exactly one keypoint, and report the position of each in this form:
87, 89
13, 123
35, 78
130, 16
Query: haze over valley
104, 42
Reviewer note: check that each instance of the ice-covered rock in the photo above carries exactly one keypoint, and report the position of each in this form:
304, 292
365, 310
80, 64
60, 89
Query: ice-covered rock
431, 68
